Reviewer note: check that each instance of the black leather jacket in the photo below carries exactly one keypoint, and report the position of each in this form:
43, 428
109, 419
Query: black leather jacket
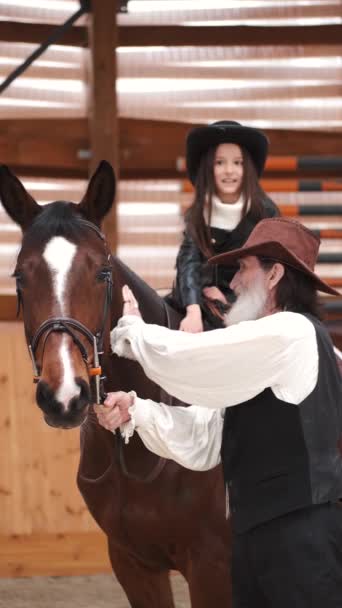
193, 272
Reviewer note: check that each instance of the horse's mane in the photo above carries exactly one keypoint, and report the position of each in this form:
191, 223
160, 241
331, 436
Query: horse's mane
56, 219
145, 292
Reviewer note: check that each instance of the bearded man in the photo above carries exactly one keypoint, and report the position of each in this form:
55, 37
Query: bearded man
267, 404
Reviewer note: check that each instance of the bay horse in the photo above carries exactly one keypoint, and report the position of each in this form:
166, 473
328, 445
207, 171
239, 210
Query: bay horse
157, 515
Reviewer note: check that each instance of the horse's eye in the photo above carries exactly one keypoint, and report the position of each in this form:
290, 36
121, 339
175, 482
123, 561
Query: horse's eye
19, 278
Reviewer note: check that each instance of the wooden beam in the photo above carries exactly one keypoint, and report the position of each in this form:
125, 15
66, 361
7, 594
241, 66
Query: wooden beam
148, 149
177, 35
24, 146
103, 119
36, 33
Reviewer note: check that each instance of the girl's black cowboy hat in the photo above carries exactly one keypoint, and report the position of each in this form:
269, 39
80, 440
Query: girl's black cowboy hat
282, 240
200, 139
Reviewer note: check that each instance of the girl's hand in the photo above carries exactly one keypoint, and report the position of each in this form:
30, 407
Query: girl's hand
192, 322
114, 411
214, 293
131, 306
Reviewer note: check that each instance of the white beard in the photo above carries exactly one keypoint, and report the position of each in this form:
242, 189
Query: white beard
249, 306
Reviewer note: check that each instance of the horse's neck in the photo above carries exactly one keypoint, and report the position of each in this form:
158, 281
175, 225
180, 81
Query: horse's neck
124, 374
152, 306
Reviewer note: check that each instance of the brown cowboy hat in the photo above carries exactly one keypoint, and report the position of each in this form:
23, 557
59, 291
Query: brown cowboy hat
282, 240
200, 139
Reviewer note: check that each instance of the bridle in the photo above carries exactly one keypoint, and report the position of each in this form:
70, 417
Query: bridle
72, 327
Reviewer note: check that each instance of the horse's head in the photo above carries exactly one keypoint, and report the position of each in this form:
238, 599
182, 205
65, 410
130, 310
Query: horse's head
63, 276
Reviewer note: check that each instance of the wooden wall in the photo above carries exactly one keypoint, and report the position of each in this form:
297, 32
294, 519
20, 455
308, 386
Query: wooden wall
44, 524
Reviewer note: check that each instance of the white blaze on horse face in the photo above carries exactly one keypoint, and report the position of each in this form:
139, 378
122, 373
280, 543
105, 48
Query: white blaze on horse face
59, 254
68, 388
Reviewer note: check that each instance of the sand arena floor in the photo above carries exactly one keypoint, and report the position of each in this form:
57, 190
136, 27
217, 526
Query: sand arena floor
98, 591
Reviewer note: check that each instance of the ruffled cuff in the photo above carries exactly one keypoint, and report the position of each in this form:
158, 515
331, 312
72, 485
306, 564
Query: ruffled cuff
140, 414
122, 334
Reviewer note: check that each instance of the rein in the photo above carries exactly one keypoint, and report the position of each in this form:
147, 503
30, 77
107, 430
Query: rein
71, 326
119, 442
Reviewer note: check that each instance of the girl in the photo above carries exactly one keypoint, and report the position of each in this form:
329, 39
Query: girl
224, 161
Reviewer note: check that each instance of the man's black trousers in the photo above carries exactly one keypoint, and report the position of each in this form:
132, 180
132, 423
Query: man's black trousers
293, 561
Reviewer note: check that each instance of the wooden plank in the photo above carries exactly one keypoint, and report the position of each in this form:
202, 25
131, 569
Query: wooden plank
24, 146
36, 33
53, 554
103, 119
148, 149
38, 490
177, 35
8, 307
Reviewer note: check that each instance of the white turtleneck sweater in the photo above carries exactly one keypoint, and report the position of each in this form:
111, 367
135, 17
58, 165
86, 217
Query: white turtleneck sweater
225, 215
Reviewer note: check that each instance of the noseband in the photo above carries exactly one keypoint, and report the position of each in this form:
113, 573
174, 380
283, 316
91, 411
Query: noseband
71, 326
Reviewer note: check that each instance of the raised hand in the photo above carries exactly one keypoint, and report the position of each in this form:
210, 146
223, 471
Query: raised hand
131, 306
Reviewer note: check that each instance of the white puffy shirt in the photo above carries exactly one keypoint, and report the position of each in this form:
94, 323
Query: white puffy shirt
213, 370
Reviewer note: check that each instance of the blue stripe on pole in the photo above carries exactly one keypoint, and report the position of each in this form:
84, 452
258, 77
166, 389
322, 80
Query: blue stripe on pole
319, 209
332, 306
310, 186
330, 258
319, 162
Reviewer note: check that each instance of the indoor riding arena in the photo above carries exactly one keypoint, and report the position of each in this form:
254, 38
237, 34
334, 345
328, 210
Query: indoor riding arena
124, 81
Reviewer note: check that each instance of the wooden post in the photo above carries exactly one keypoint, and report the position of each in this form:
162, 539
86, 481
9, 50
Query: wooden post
103, 119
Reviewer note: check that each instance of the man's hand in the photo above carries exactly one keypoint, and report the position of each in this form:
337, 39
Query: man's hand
131, 306
114, 411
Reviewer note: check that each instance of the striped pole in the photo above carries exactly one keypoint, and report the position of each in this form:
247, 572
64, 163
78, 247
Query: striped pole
290, 163
294, 210
304, 163
300, 185
287, 185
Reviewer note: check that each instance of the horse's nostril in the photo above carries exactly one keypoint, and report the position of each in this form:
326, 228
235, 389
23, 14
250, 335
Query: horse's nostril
55, 413
45, 397
77, 404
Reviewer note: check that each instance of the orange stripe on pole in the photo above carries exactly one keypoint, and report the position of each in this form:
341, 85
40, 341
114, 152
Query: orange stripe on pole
281, 163
186, 186
280, 185
334, 281
329, 233
331, 186
289, 210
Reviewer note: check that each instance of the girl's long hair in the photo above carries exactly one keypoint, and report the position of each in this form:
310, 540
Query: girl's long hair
196, 217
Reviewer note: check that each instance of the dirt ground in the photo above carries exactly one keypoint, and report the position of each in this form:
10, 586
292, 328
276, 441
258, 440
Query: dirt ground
100, 591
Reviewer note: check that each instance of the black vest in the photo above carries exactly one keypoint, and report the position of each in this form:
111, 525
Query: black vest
278, 457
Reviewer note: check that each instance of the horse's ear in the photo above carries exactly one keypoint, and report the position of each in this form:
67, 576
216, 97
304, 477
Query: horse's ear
99, 197
17, 202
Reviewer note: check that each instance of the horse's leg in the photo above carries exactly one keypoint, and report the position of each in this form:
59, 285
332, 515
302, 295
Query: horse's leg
208, 573
144, 587
209, 584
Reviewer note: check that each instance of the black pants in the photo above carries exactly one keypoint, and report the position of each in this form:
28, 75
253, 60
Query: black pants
294, 561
